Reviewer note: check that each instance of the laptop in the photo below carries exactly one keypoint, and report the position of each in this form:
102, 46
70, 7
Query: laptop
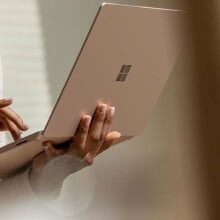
125, 61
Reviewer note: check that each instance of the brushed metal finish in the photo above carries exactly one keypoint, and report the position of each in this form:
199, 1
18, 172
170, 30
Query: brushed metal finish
146, 40
149, 39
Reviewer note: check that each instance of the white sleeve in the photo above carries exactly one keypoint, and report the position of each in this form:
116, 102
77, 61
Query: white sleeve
16, 190
18, 201
73, 198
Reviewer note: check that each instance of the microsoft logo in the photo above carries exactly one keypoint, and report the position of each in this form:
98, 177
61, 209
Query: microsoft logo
125, 69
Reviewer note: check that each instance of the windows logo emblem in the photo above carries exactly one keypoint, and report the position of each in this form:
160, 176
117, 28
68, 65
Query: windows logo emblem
125, 69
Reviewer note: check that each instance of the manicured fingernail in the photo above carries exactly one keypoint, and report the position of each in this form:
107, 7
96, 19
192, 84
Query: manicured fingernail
87, 121
103, 108
25, 126
111, 111
7, 101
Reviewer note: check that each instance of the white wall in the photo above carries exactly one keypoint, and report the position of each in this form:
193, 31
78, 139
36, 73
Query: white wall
23, 60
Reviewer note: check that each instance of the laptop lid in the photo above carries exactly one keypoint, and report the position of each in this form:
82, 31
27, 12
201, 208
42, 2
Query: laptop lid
125, 61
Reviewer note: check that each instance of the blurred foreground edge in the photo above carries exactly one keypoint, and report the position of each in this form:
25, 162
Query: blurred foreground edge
205, 23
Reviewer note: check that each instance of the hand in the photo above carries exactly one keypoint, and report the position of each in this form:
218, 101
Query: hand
10, 120
92, 137
90, 140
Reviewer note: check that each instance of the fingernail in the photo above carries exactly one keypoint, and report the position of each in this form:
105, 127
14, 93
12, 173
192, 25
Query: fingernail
46, 143
103, 108
7, 100
46, 147
87, 121
25, 126
111, 111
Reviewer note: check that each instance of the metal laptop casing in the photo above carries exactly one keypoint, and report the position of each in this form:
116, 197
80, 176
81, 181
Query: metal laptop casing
125, 61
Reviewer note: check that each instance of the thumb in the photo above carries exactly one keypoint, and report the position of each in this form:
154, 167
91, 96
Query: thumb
110, 139
5, 102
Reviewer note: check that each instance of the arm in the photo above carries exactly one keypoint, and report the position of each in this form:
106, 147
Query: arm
92, 137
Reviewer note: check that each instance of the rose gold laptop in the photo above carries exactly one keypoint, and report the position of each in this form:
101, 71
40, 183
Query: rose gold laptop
125, 61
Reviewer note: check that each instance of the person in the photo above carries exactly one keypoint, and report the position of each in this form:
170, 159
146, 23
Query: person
44, 180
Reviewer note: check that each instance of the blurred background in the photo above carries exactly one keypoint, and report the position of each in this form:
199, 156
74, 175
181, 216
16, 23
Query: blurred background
171, 171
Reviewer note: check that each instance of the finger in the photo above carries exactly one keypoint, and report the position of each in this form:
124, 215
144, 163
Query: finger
95, 131
108, 121
50, 151
79, 140
14, 117
105, 130
15, 132
5, 102
110, 139
23, 124
95, 148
